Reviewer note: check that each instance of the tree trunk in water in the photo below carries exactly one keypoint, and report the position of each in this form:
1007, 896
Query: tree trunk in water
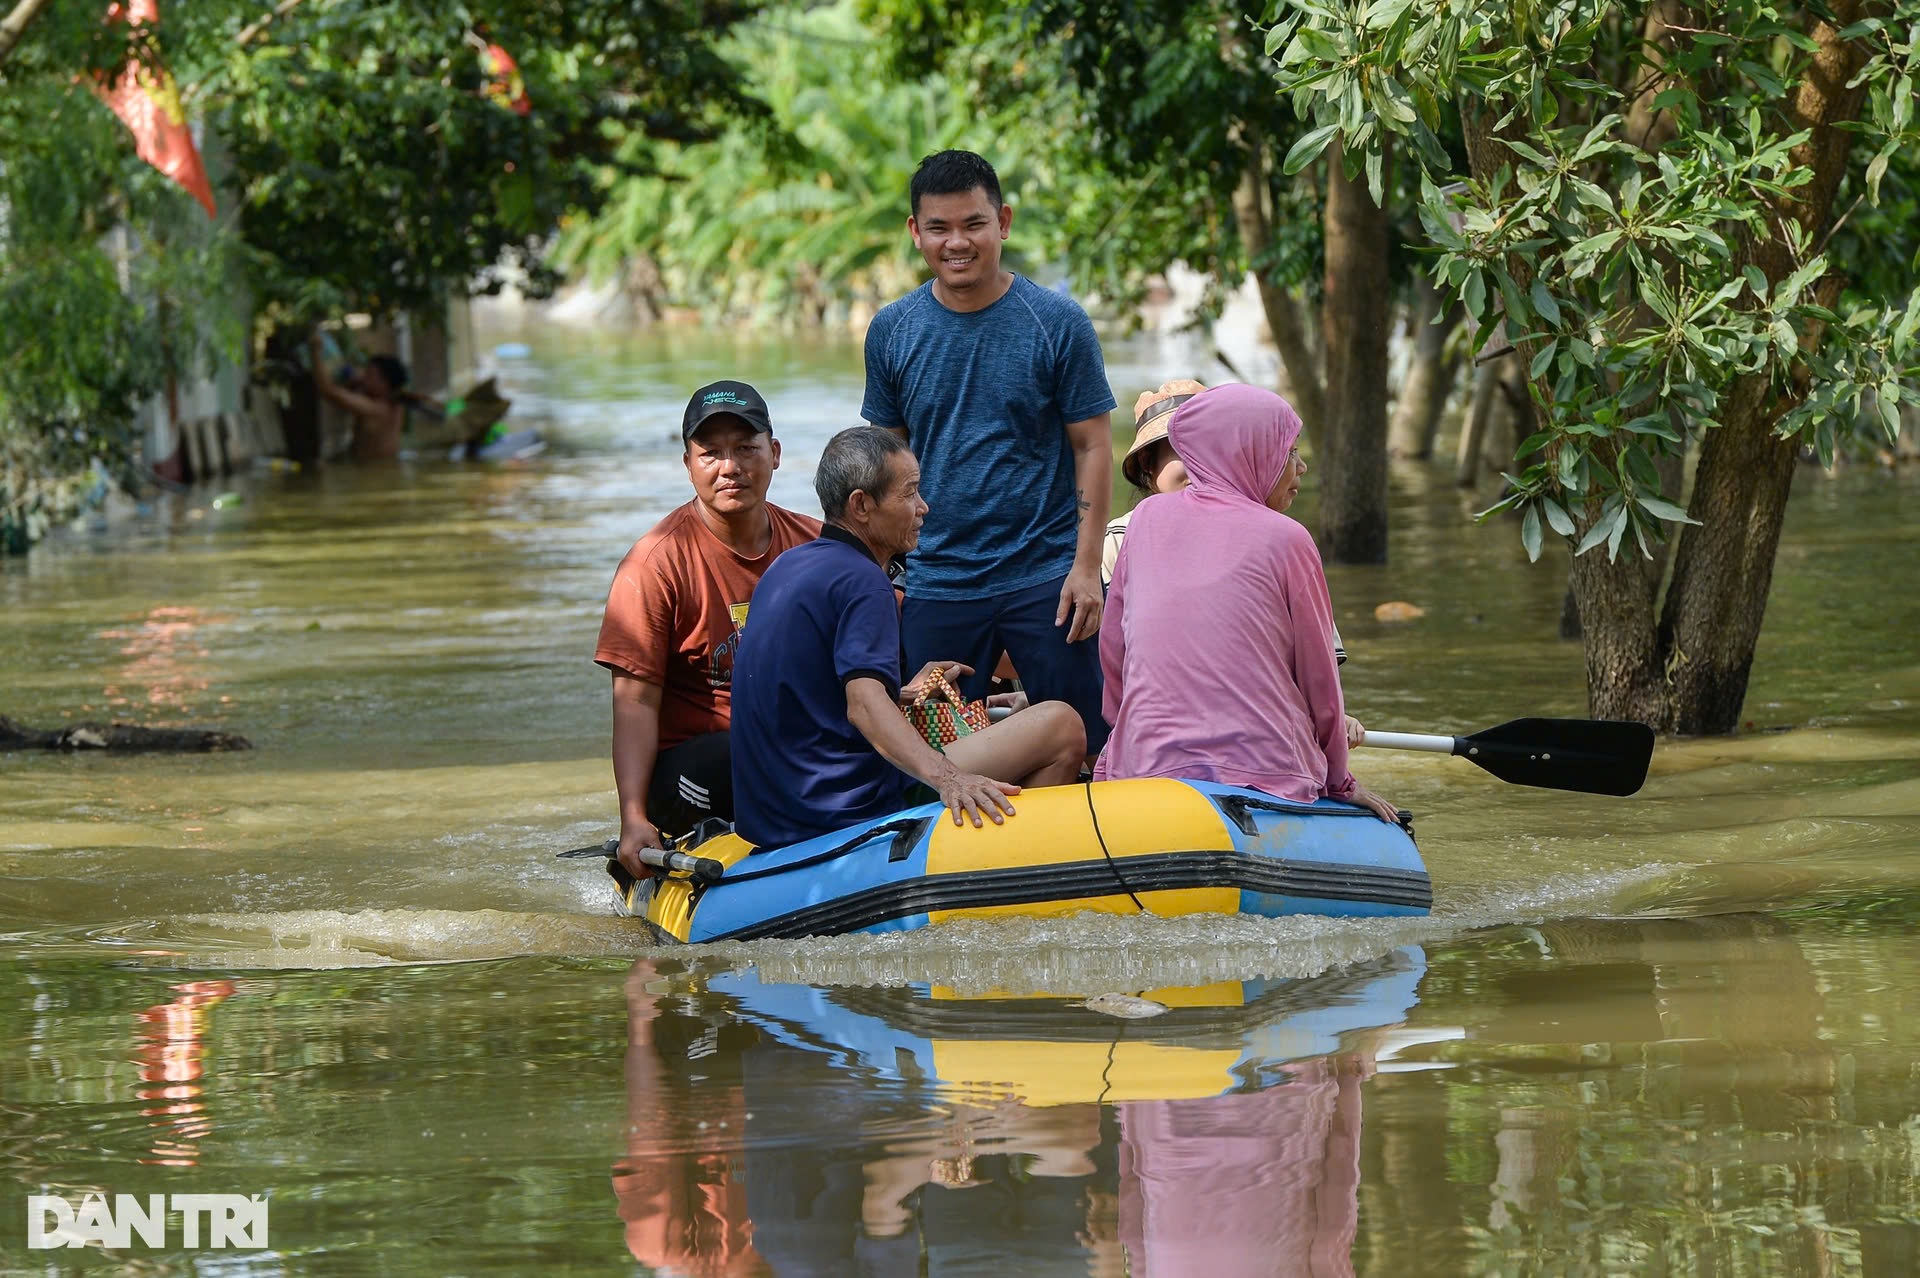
1517, 414
1687, 671
1478, 423
1429, 377
1623, 654
1301, 368
1689, 674
1353, 447
124, 737
1723, 571
1299, 362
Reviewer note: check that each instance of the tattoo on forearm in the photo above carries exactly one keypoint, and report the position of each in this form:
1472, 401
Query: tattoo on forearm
1080, 497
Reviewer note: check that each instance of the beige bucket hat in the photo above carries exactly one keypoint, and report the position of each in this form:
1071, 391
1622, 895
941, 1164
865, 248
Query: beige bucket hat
1152, 413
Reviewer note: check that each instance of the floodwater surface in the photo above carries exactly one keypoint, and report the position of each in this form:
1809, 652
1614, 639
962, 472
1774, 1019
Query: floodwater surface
1675, 1033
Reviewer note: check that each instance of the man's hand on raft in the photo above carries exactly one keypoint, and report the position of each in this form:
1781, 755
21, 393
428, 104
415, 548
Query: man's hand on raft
639, 834
1081, 599
968, 794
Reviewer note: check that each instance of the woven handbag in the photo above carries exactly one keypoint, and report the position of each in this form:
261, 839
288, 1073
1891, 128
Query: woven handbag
939, 715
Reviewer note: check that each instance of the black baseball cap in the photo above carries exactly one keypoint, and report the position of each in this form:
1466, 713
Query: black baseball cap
725, 399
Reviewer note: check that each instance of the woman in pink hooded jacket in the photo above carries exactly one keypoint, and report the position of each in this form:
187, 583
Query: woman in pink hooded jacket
1217, 643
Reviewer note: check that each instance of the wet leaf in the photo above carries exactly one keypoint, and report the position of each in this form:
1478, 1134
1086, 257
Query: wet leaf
1661, 508
1308, 148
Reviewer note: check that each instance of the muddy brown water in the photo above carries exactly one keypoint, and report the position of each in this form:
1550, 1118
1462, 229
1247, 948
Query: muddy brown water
1669, 1034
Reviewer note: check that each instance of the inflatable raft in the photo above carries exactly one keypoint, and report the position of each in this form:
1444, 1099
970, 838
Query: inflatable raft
1156, 846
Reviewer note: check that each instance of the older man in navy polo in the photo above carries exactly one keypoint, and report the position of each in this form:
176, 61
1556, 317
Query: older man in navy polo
819, 742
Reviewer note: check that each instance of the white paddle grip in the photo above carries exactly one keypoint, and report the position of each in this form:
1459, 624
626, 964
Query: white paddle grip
1407, 741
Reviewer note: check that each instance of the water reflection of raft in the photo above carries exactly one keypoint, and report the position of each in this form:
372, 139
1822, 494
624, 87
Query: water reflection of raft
1168, 847
1230, 1036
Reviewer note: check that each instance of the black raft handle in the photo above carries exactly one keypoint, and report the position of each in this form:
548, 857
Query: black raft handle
906, 832
1239, 809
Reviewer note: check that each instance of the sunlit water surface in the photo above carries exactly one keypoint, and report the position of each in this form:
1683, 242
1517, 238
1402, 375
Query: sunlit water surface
1669, 1034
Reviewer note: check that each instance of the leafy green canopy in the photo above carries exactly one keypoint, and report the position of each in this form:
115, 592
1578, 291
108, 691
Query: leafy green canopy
378, 175
359, 165
107, 288
1648, 213
807, 203
1152, 112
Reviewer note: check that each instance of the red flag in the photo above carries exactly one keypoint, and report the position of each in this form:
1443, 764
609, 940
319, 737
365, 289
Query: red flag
504, 84
147, 101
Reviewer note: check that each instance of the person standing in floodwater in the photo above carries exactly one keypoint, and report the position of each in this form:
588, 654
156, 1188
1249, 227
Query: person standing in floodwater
373, 397
1000, 386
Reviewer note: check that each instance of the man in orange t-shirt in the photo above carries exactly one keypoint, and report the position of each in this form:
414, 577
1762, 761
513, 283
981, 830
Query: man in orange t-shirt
674, 616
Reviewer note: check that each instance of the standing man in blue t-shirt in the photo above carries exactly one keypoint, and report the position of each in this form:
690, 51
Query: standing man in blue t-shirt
1000, 387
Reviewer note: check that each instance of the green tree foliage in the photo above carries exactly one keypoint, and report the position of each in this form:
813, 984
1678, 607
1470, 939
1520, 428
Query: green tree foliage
1143, 68
804, 205
362, 165
1651, 206
377, 173
96, 315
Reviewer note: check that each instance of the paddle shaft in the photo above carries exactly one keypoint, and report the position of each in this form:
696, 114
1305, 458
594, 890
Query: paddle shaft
1410, 741
701, 869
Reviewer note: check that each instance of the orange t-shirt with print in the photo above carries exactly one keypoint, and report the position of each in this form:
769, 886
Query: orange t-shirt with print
675, 612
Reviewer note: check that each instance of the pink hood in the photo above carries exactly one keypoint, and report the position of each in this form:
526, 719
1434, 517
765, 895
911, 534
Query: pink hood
1234, 441
1217, 643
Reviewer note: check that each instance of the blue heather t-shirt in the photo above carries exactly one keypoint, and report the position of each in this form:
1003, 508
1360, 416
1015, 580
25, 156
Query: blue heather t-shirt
985, 398
823, 613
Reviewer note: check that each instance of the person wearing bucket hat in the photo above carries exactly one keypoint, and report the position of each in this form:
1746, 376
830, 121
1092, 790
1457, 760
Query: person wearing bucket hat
1220, 600
674, 617
1153, 467
1150, 465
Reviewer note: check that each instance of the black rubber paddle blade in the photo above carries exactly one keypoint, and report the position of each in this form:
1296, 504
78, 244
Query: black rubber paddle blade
1591, 756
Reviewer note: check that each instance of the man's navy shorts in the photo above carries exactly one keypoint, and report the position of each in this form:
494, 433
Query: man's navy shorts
978, 631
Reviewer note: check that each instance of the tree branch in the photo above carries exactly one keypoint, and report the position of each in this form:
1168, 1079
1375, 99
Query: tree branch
254, 28
1645, 127
1833, 230
1284, 320
14, 25
116, 736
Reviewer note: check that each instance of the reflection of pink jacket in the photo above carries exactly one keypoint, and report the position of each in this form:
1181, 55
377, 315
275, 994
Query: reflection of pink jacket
1262, 1184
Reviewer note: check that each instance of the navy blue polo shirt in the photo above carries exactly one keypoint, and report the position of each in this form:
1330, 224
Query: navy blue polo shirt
823, 614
